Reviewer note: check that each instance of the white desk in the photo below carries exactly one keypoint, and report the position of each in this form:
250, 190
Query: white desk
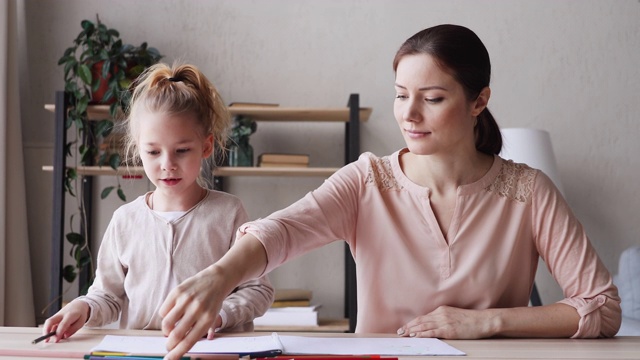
15, 343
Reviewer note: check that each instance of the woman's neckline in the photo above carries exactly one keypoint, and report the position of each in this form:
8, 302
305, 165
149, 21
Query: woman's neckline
479, 184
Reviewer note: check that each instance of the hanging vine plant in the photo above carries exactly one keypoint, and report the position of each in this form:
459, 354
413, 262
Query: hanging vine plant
98, 69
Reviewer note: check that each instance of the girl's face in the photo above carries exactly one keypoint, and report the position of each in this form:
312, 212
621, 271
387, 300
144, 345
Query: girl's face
171, 149
431, 108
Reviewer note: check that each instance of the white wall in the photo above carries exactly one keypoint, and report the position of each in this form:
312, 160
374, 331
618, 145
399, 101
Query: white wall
569, 67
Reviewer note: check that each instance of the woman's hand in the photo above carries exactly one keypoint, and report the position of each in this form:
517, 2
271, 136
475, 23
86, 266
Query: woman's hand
448, 322
67, 321
193, 306
549, 321
190, 310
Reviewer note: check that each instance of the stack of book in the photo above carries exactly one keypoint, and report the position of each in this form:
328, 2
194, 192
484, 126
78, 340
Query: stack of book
292, 298
291, 307
283, 160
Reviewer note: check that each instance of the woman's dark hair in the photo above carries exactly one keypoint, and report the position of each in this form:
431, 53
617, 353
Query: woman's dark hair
462, 54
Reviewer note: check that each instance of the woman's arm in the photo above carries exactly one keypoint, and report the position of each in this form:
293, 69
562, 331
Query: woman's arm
564, 246
324, 215
250, 299
192, 307
549, 321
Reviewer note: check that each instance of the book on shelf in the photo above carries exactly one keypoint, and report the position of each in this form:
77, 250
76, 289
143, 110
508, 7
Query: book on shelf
280, 158
294, 165
252, 104
289, 316
291, 307
290, 303
292, 294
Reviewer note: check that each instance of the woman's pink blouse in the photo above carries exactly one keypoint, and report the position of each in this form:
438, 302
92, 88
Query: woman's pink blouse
501, 225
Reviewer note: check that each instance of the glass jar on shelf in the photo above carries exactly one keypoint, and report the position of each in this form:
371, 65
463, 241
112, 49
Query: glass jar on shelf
240, 151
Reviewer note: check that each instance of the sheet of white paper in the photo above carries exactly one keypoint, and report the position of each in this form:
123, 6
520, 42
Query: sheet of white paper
157, 345
133, 344
291, 345
303, 345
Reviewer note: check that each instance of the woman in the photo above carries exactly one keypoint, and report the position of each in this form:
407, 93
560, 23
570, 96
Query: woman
446, 235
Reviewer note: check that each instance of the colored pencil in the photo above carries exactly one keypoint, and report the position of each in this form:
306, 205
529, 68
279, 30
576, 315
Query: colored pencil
43, 337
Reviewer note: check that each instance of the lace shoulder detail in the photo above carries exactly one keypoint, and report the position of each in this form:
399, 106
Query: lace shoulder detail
380, 174
515, 181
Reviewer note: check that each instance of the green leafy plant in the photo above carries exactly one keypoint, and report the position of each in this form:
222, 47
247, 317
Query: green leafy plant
98, 69
240, 151
241, 128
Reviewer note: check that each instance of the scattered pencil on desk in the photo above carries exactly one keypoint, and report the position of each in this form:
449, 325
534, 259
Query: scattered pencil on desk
329, 357
128, 357
101, 355
43, 337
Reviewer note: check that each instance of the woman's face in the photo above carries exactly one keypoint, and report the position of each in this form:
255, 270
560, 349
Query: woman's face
431, 108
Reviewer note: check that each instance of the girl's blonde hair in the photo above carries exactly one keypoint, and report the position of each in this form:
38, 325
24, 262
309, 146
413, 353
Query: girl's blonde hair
176, 89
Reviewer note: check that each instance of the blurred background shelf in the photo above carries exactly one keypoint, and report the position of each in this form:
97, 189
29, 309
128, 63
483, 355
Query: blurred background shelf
260, 113
219, 171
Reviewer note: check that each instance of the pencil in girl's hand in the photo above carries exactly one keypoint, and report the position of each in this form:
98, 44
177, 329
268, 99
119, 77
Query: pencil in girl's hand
43, 337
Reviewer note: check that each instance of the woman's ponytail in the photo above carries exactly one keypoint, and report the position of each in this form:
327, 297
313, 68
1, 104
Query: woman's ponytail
488, 136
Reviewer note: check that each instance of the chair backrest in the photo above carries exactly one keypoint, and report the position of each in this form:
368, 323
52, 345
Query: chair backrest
534, 299
628, 282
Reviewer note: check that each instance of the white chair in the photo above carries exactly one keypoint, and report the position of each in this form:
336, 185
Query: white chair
628, 282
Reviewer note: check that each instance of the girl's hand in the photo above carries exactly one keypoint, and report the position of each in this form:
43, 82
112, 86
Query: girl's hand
67, 321
189, 311
447, 322
212, 330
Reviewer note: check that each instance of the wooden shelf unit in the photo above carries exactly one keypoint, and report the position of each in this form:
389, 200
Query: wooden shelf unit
219, 171
259, 113
351, 115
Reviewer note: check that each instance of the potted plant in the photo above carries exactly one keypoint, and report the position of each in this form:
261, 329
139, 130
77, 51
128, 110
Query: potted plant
240, 151
98, 69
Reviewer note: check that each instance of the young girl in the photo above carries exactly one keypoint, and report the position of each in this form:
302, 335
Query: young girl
157, 241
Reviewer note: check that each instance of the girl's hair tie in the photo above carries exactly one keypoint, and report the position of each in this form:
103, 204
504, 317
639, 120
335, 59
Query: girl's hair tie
174, 79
